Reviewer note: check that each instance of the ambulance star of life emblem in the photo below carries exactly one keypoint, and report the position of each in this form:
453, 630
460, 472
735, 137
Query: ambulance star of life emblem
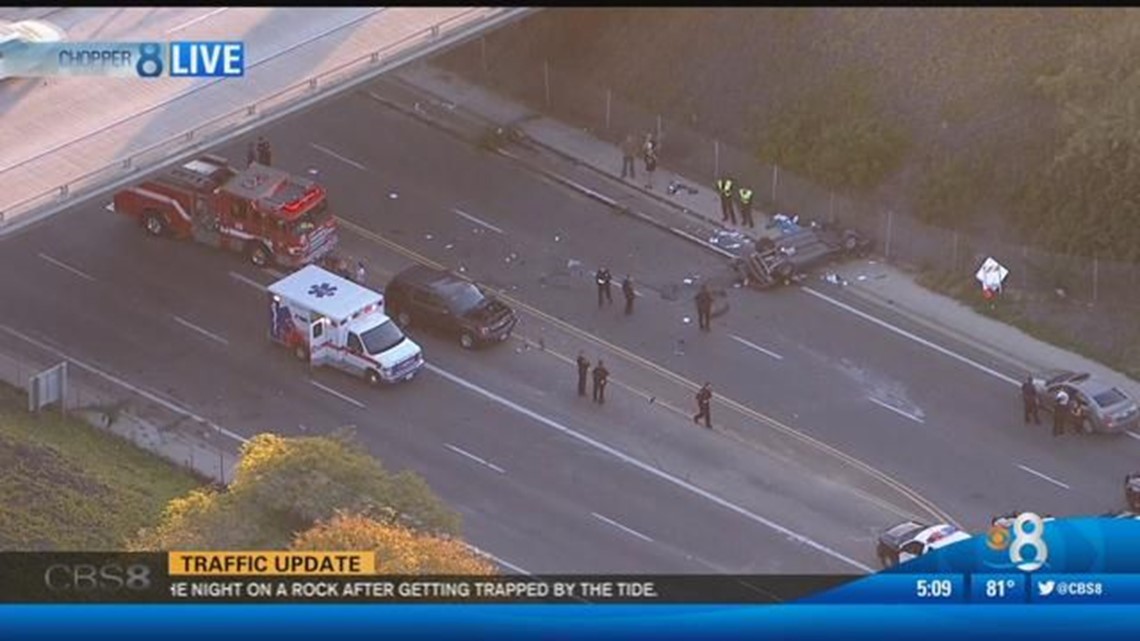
322, 290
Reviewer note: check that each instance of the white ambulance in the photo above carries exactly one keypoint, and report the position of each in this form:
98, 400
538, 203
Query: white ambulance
329, 320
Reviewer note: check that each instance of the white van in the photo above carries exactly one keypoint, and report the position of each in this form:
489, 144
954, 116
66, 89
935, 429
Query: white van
329, 320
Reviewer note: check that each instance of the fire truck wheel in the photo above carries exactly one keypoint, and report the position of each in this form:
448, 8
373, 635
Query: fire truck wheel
373, 377
258, 255
466, 341
154, 224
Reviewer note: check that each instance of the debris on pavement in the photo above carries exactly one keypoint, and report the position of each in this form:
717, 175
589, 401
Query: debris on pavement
728, 239
834, 279
393, 195
428, 237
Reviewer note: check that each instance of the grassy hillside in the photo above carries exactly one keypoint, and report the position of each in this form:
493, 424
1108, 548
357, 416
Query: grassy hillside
67, 486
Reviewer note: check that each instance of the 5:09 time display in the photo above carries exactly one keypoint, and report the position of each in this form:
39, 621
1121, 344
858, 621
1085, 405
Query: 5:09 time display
933, 588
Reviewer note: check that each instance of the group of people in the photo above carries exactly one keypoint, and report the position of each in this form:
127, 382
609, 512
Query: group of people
259, 152
730, 197
648, 150
1067, 411
601, 376
604, 280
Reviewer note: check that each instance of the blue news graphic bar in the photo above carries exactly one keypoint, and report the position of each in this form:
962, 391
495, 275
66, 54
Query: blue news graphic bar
1085, 588
998, 588
898, 588
207, 59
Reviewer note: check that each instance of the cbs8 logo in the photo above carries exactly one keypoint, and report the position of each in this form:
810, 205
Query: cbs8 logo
150, 60
1028, 532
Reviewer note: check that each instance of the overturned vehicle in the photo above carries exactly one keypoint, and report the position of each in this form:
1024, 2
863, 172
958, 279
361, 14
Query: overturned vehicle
785, 257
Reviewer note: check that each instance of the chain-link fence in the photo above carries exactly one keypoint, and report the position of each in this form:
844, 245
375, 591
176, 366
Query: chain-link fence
107, 405
696, 150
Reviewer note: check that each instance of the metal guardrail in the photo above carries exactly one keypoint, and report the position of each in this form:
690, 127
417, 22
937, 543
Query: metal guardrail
217, 128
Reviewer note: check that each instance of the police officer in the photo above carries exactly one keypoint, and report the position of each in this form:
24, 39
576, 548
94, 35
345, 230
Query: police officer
745, 195
600, 376
264, 152
630, 294
704, 307
1076, 416
704, 402
1029, 401
724, 188
603, 278
583, 369
1060, 412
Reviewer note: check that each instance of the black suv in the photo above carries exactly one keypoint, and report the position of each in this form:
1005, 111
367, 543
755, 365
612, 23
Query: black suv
443, 301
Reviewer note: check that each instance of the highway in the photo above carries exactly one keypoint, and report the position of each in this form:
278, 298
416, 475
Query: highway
546, 480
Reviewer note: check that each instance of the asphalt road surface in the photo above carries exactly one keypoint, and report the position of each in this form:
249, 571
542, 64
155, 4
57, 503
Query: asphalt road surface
545, 480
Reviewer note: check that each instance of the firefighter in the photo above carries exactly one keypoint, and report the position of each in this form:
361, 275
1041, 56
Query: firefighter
704, 307
745, 195
1029, 401
583, 369
704, 402
601, 374
264, 152
250, 154
724, 188
603, 278
1060, 412
630, 293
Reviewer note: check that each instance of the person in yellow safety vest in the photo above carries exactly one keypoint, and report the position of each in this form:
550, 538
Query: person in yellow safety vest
746, 207
727, 212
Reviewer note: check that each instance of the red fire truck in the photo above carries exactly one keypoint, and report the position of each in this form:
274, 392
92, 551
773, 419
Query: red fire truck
266, 213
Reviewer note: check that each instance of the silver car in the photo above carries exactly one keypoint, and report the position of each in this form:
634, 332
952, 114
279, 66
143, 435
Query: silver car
1107, 409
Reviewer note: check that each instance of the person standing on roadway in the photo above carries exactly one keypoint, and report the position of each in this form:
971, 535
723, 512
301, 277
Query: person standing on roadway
1029, 401
264, 152
745, 195
649, 155
250, 154
704, 307
628, 153
724, 189
1060, 412
603, 278
630, 293
704, 403
583, 370
601, 374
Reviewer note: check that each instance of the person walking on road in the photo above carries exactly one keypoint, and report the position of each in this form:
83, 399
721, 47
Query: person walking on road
1060, 412
704, 307
704, 403
583, 370
603, 278
630, 293
649, 155
264, 152
745, 195
601, 374
1029, 401
724, 189
250, 154
628, 154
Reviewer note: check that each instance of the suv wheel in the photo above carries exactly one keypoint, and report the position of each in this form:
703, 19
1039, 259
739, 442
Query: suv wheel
466, 340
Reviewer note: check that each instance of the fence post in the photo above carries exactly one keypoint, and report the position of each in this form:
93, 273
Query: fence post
483, 53
775, 181
546, 80
1025, 269
716, 159
609, 99
658, 130
831, 207
1096, 277
890, 225
954, 260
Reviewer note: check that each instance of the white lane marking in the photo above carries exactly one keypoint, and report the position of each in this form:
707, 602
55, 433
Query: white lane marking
120, 382
500, 561
896, 410
621, 527
247, 281
756, 347
626, 458
110, 207
1133, 434
918, 339
208, 334
62, 265
477, 221
1044, 476
462, 452
195, 21
343, 397
338, 156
